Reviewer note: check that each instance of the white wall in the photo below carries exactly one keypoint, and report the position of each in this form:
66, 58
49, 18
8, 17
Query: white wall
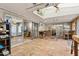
77, 32
1, 15
45, 27
29, 26
42, 27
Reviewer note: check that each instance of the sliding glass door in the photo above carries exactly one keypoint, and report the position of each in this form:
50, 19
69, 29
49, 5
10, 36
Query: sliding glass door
19, 28
16, 29
13, 30
34, 30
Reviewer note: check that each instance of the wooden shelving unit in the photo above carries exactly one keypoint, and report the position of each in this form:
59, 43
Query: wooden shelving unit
4, 39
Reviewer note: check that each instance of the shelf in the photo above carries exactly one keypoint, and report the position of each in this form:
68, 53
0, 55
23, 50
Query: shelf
4, 36
3, 39
1, 53
1, 46
4, 47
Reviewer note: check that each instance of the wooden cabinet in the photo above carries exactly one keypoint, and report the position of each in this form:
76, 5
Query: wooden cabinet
76, 42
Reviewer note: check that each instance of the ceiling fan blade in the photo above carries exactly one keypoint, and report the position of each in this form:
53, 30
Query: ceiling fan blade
56, 6
47, 5
34, 5
57, 9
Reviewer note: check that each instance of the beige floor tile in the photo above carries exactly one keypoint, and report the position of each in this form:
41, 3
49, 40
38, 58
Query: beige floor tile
42, 47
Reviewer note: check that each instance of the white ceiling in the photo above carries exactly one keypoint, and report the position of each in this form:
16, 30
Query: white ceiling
61, 19
21, 9
65, 15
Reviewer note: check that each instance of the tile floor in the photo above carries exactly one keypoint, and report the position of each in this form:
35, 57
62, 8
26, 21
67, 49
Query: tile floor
42, 47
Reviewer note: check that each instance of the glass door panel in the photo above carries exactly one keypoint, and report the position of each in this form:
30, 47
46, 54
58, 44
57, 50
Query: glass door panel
13, 30
19, 28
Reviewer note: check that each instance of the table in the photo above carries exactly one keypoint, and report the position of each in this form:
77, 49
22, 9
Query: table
76, 42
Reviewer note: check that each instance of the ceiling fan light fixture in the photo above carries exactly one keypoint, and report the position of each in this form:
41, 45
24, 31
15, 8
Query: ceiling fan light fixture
56, 6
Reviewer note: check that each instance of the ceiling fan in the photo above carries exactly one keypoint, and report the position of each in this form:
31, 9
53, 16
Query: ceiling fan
54, 5
48, 5
45, 5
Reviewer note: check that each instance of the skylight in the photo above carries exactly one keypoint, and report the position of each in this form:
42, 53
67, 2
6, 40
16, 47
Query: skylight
64, 9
